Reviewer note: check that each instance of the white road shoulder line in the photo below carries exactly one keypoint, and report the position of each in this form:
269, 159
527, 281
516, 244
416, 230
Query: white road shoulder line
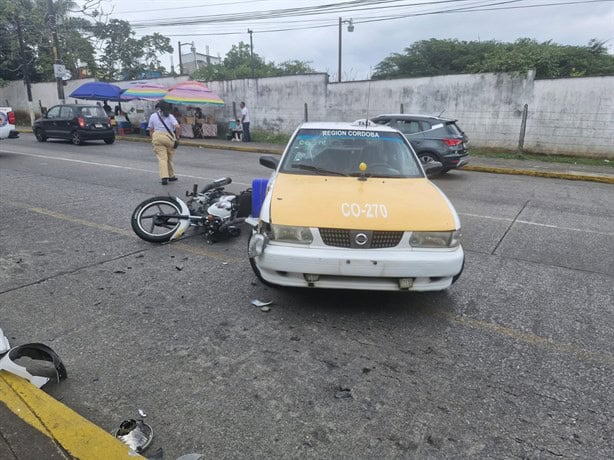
107, 165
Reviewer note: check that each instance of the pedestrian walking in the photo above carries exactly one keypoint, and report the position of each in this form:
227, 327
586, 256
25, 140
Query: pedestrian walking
164, 131
245, 122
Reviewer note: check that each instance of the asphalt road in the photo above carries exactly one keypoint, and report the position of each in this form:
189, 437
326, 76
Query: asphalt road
515, 360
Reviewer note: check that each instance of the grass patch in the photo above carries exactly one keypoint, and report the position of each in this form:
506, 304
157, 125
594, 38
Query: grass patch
541, 157
269, 138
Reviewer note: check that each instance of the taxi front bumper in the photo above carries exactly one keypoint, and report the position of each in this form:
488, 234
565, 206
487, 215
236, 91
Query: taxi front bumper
391, 269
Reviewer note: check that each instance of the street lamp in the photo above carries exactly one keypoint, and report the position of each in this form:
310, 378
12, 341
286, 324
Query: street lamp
350, 24
179, 45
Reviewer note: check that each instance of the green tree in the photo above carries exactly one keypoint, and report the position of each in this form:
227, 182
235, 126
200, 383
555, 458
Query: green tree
239, 63
32, 16
123, 55
443, 57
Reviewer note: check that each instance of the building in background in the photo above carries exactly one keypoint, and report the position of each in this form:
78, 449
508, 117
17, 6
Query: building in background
193, 61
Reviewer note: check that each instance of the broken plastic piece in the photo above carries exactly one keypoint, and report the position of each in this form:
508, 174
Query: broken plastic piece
136, 434
260, 303
4, 343
35, 351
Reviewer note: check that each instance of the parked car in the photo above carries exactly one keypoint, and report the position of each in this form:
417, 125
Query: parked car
349, 206
433, 138
7, 123
75, 122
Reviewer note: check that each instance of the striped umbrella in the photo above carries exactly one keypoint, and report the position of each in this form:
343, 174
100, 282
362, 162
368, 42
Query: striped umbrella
192, 93
144, 92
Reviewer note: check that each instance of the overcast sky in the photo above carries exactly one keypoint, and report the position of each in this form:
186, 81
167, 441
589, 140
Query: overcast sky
314, 37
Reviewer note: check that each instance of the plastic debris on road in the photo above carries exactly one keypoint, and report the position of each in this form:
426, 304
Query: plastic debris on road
4, 343
136, 434
260, 303
36, 352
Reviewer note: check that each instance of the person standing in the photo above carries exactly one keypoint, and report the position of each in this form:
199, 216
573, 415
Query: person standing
245, 122
107, 108
164, 130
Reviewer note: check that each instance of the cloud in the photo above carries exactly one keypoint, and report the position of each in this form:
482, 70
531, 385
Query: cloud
370, 43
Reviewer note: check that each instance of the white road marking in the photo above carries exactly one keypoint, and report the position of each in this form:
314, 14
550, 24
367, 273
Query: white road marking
505, 219
107, 165
559, 227
538, 224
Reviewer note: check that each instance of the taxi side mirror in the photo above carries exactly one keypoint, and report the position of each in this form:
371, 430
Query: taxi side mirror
269, 162
432, 168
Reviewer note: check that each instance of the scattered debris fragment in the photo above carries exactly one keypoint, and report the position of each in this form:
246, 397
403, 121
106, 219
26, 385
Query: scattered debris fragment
4, 343
119, 272
265, 309
142, 413
37, 352
136, 434
179, 267
344, 393
260, 303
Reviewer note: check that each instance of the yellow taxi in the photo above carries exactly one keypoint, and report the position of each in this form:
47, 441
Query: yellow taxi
349, 205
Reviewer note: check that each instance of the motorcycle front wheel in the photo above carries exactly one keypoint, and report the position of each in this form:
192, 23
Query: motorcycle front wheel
156, 219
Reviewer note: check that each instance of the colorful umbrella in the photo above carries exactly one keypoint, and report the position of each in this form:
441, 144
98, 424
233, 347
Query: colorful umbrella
97, 91
192, 93
144, 92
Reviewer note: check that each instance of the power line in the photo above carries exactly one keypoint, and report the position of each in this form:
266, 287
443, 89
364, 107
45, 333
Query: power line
353, 5
492, 6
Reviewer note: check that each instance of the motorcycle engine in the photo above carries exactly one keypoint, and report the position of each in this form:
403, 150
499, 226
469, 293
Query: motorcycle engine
222, 208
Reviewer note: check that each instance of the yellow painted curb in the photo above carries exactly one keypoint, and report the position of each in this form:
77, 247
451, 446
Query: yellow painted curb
534, 173
76, 435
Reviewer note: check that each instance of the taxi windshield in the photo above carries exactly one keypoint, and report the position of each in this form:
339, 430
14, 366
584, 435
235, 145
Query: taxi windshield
340, 152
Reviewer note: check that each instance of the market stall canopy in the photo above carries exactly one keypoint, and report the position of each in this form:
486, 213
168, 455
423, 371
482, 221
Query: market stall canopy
144, 92
192, 93
97, 91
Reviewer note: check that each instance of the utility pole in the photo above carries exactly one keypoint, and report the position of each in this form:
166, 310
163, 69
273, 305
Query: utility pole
251, 50
26, 71
56, 47
339, 70
350, 24
180, 62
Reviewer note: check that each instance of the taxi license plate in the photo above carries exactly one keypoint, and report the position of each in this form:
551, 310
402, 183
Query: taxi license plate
98, 125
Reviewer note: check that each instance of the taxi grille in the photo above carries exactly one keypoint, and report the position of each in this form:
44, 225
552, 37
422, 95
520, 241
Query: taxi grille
344, 238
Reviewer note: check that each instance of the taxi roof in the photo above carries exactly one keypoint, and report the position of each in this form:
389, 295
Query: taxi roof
356, 125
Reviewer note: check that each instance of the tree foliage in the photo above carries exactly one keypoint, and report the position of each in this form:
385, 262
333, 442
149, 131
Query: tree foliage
550, 60
239, 63
108, 48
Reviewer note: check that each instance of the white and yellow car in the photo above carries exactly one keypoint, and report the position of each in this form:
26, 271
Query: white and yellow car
350, 206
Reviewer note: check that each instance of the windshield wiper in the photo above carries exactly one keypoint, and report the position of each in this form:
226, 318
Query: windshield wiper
316, 169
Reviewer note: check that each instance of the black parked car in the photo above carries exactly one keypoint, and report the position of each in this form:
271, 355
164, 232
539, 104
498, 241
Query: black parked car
433, 138
76, 122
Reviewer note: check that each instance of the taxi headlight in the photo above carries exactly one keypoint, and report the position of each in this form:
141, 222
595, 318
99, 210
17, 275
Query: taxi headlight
291, 234
435, 239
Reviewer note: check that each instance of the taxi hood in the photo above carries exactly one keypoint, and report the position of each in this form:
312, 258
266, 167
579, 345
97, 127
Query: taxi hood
414, 204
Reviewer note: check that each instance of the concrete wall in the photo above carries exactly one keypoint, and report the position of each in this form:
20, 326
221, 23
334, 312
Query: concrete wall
566, 116
573, 115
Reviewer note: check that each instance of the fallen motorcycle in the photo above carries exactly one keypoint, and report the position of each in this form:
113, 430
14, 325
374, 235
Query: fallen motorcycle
217, 212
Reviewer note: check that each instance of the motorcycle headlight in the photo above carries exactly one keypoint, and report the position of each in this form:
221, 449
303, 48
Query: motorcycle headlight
291, 234
435, 239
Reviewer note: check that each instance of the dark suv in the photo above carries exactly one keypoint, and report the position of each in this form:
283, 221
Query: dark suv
433, 138
75, 122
